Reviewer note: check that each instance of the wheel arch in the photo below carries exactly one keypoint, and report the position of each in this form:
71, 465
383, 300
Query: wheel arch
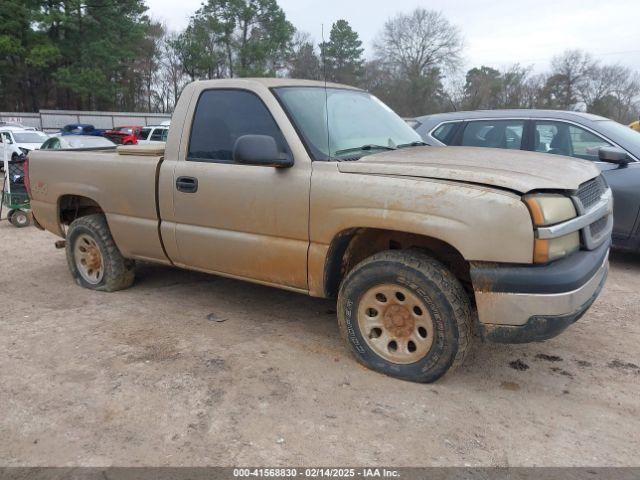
349, 247
71, 207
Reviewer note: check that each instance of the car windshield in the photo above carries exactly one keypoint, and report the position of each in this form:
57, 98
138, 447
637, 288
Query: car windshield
89, 142
124, 129
342, 123
621, 134
29, 137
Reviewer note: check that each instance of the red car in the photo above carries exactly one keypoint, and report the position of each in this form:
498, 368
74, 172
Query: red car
126, 135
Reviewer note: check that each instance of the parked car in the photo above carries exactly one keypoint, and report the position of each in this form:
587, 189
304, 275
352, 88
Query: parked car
72, 142
81, 129
18, 141
125, 135
322, 189
612, 147
153, 134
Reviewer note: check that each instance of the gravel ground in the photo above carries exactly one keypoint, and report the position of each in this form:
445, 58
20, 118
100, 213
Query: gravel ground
190, 369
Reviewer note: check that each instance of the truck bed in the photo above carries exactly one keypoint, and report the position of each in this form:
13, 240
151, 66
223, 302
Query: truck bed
122, 183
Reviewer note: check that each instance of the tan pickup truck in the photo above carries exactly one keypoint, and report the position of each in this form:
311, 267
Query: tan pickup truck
326, 191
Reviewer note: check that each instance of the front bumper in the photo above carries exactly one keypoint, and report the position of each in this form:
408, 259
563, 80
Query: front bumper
534, 303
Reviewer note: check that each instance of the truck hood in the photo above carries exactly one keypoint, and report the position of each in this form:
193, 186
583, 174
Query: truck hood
511, 169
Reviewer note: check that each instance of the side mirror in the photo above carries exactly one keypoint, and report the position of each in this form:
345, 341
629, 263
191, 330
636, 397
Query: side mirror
613, 155
259, 150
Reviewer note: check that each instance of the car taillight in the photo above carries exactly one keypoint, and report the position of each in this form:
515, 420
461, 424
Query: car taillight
27, 182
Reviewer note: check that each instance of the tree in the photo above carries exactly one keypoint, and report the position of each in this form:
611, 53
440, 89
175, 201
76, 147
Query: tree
416, 43
171, 79
303, 61
416, 49
570, 72
482, 88
342, 54
227, 38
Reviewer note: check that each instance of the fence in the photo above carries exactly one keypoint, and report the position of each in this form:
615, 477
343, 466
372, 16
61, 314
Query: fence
54, 120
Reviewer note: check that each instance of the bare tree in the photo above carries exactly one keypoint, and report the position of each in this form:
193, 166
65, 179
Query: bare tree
570, 72
415, 49
416, 43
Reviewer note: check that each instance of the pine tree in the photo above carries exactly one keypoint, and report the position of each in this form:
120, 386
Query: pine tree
342, 54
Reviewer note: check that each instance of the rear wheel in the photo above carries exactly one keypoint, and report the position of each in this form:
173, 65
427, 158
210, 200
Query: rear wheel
405, 315
19, 218
93, 257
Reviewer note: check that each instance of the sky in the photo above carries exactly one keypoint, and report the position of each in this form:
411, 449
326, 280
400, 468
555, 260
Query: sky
496, 33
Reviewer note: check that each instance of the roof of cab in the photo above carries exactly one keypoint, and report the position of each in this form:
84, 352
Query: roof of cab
274, 82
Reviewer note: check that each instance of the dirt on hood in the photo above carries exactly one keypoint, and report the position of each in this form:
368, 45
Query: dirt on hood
511, 169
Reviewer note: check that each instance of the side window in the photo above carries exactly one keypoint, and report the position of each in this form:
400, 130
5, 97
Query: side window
144, 134
158, 135
445, 132
586, 144
165, 133
561, 138
221, 117
494, 134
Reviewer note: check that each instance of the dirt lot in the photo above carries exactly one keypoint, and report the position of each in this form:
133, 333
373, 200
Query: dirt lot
143, 377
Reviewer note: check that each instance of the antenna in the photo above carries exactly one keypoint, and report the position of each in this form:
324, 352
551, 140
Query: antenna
326, 94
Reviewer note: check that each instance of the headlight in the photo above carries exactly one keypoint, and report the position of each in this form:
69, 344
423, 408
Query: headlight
548, 209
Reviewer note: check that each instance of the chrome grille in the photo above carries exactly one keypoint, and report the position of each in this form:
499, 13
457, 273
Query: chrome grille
589, 193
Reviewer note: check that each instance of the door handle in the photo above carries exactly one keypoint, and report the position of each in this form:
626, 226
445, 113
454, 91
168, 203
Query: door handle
187, 184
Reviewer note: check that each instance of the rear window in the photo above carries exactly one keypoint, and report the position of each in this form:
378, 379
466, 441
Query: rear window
144, 133
159, 135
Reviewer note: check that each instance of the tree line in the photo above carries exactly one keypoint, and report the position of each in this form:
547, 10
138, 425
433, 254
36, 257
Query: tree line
112, 55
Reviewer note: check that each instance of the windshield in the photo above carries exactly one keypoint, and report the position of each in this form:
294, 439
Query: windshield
621, 134
29, 137
358, 123
89, 142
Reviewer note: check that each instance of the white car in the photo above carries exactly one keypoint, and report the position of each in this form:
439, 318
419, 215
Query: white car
17, 141
153, 134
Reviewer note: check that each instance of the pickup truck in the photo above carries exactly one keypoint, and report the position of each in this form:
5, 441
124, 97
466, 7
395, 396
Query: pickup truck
323, 190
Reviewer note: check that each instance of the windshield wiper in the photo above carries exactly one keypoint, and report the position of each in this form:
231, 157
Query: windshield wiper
364, 148
417, 143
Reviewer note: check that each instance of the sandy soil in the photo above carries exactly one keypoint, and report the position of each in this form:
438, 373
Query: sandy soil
190, 369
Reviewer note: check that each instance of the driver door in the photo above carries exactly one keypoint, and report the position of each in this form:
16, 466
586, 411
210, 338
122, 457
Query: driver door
245, 221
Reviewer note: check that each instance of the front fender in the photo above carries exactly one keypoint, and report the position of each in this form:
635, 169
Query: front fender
482, 223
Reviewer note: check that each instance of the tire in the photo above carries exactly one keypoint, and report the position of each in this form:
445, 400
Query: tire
14, 157
19, 218
10, 214
440, 328
93, 257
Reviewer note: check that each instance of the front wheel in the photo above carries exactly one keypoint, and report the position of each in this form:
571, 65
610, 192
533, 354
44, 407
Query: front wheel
93, 257
405, 315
